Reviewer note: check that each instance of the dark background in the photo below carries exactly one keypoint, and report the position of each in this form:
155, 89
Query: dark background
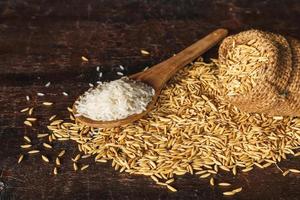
43, 41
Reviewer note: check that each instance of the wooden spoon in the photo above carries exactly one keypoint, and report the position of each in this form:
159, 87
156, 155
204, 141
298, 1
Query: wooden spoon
158, 75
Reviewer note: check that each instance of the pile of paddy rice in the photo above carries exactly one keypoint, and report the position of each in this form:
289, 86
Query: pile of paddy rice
191, 130
242, 68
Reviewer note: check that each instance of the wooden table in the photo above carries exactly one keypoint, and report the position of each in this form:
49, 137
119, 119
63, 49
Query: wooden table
43, 41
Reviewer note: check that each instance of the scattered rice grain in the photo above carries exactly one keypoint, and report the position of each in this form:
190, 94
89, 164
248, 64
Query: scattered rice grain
48, 84
20, 158
24, 110
31, 119
295, 170
33, 151
30, 111
57, 161
47, 103
55, 171
27, 123
224, 184
84, 167
40, 94
62, 153
41, 135
75, 166
52, 117
47, 145
26, 146
144, 52
171, 188
83, 58
27, 138
45, 158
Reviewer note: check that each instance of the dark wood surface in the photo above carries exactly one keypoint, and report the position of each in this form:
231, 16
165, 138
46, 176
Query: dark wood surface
43, 41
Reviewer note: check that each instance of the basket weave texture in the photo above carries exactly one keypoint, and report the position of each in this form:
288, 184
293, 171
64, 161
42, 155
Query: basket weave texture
275, 89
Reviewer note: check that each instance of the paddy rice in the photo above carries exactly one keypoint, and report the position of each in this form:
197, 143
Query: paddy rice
144, 52
45, 158
57, 161
295, 170
47, 103
20, 158
47, 145
25, 146
31, 119
30, 111
62, 153
27, 123
190, 131
224, 184
52, 117
83, 58
55, 171
76, 158
75, 166
33, 151
24, 110
41, 135
27, 138
242, 69
84, 167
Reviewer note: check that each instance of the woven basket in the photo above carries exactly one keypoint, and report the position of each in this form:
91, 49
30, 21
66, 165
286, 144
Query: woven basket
290, 105
277, 89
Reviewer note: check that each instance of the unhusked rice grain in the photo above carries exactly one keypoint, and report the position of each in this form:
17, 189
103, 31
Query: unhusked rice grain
186, 134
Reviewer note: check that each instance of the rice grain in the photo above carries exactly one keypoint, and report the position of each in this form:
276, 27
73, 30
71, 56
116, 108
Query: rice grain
45, 158
20, 158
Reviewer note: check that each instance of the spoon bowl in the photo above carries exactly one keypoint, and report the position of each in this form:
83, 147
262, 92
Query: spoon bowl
158, 75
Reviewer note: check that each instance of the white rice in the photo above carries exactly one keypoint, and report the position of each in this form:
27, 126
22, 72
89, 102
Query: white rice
115, 100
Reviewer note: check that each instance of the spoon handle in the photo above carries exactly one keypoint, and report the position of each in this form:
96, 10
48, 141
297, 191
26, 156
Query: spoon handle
159, 74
